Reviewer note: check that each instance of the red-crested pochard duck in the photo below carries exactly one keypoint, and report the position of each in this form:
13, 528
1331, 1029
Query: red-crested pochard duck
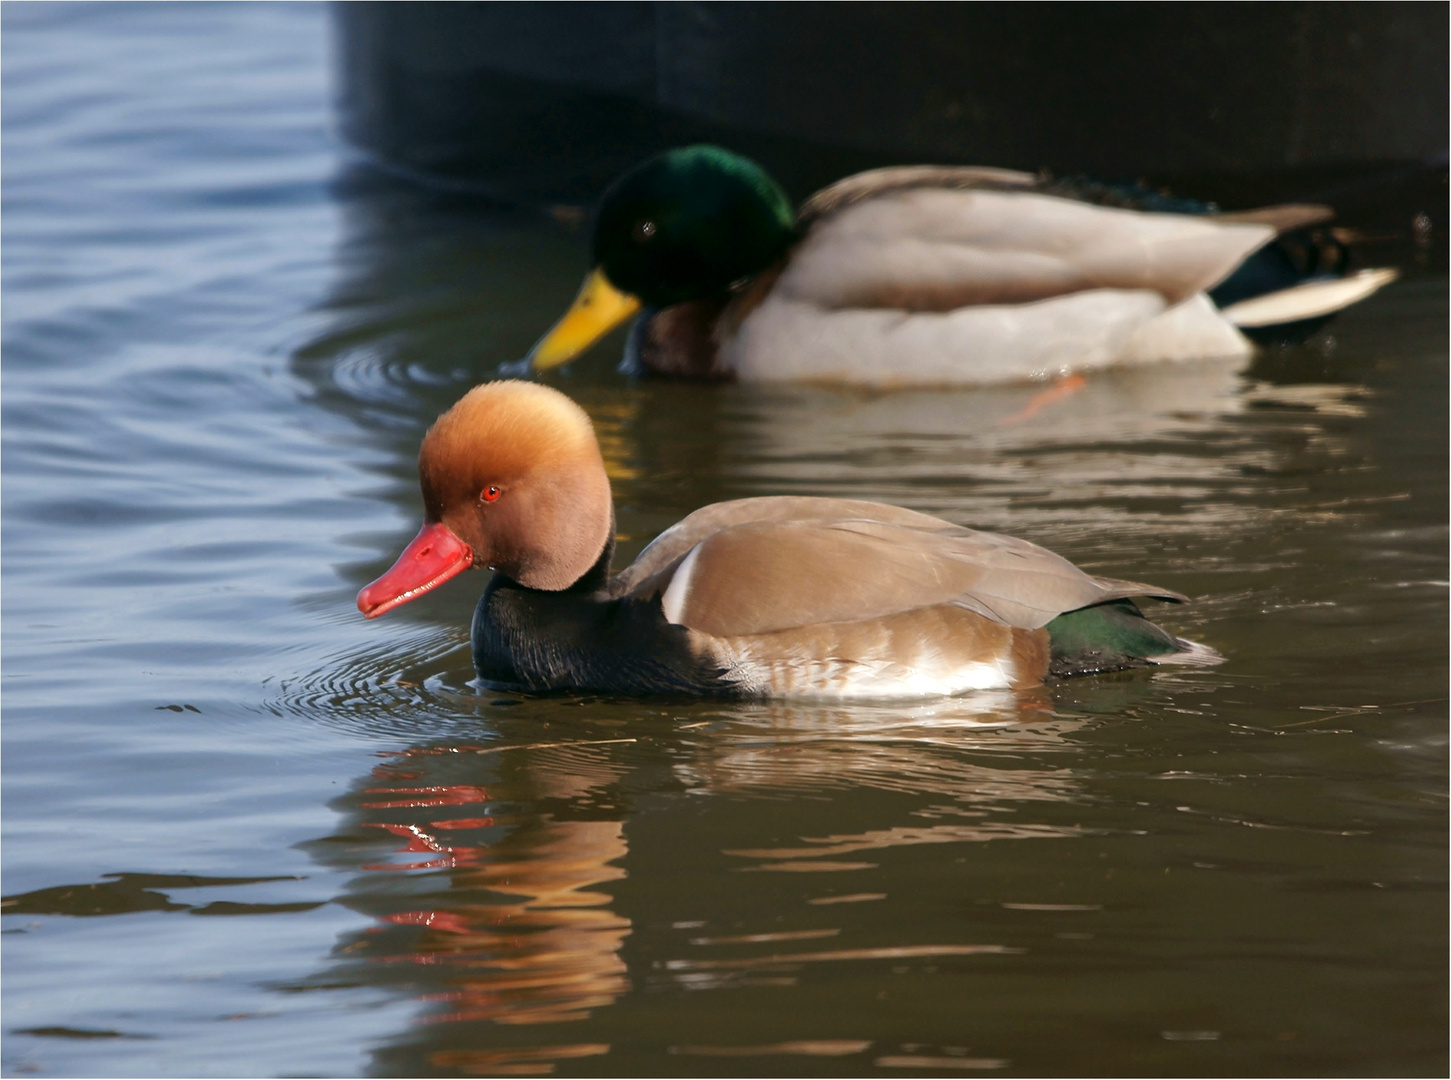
762, 597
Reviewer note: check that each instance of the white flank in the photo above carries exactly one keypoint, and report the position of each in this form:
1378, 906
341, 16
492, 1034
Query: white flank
1308, 300
785, 340
927, 674
1192, 330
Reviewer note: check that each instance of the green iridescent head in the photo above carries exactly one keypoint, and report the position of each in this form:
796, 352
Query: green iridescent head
685, 225
688, 223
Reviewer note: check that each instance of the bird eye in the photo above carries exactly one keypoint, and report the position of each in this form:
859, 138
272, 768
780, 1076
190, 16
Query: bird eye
489, 494
643, 230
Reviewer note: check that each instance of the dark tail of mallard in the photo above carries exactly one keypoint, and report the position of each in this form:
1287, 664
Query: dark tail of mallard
1293, 286
1115, 636
1291, 315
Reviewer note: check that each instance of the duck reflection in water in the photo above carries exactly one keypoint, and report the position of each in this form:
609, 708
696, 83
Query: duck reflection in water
951, 750
496, 905
492, 906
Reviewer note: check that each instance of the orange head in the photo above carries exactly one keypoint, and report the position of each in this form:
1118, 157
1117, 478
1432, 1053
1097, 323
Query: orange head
512, 479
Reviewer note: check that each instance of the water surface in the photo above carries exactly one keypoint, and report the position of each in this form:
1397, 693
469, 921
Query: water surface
248, 833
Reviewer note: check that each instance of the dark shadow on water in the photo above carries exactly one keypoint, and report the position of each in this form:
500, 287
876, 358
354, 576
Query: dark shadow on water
124, 894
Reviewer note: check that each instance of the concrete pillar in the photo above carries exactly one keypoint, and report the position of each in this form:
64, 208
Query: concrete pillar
551, 100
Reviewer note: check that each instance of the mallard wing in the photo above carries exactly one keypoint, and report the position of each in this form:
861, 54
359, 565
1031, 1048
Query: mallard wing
875, 182
1283, 218
826, 561
938, 249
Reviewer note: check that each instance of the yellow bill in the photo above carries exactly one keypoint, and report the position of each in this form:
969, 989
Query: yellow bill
598, 309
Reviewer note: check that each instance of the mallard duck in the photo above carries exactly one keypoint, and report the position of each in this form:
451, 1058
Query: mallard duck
924, 274
763, 597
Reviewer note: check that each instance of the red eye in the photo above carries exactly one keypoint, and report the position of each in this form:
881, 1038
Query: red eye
489, 494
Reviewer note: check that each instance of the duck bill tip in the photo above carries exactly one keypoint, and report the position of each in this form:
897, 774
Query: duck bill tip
431, 558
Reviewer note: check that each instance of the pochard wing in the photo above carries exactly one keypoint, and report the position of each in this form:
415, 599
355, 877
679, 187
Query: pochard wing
664, 552
765, 575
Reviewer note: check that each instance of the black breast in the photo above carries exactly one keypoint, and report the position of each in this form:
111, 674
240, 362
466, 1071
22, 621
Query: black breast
573, 640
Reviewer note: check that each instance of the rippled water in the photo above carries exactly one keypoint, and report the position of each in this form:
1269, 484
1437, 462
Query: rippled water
246, 832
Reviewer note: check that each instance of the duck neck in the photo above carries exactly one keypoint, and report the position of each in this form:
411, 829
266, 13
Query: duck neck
539, 639
595, 579
597, 576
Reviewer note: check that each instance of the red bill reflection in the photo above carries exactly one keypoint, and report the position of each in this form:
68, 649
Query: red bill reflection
547, 951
